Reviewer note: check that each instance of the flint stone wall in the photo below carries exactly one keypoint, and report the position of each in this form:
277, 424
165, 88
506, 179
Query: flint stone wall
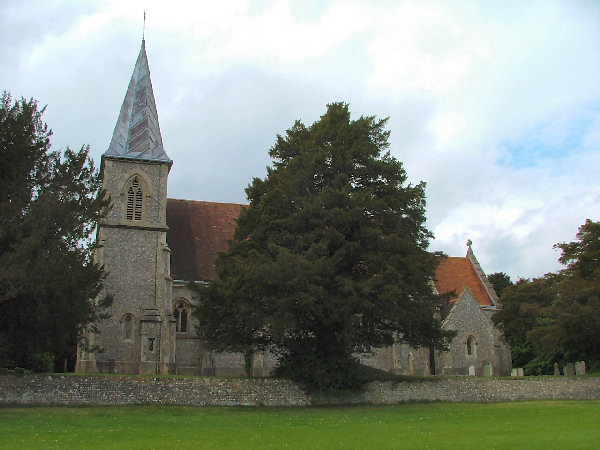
95, 390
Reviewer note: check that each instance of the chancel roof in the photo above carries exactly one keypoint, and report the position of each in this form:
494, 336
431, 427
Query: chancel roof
198, 231
137, 133
455, 274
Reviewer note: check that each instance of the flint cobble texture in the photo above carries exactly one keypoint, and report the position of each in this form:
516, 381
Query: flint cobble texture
94, 390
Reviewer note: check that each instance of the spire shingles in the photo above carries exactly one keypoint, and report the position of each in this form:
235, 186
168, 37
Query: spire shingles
137, 133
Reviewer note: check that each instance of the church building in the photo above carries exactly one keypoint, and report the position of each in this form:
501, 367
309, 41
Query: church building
151, 246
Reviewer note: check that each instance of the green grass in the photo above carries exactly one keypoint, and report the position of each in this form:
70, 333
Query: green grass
536, 424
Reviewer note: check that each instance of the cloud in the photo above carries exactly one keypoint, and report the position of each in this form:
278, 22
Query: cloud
495, 105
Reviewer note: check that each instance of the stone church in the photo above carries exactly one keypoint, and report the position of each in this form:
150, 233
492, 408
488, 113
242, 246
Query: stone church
151, 246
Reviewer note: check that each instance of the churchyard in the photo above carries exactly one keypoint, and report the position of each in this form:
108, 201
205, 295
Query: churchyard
531, 424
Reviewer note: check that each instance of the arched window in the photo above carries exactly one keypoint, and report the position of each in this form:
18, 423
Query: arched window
411, 364
470, 346
181, 317
127, 326
134, 200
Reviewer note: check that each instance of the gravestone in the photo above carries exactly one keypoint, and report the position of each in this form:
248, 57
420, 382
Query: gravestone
487, 370
569, 370
556, 370
580, 368
514, 373
520, 372
471, 371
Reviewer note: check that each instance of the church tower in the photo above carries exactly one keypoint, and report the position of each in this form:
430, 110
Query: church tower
138, 336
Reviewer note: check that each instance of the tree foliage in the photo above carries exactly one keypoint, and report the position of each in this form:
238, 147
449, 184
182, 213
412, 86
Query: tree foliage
582, 256
556, 318
49, 204
329, 258
499, 281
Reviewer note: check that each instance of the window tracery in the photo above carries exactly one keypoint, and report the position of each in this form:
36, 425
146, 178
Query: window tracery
180, 313
134, 200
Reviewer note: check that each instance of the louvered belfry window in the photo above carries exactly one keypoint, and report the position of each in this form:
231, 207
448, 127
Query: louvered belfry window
134, 200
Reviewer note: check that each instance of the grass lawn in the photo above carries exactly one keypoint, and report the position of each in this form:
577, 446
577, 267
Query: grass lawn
535, 424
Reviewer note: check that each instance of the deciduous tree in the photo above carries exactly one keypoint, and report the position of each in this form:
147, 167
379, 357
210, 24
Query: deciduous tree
526, 305
500, 281
557, 317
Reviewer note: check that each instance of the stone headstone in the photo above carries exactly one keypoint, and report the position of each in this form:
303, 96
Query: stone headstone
471, 371
487, 370
569, 370
580, 368
514, 373
556, 370
520, 372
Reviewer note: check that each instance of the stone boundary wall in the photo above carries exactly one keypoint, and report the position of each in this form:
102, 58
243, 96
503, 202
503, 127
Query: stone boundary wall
97, 390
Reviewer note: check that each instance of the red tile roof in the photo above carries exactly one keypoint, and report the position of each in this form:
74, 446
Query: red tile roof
198, 231
456, 274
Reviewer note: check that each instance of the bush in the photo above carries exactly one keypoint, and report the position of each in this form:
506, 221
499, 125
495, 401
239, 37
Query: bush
539, 366
43, 362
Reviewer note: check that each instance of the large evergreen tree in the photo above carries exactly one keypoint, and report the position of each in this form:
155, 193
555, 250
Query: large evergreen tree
49, 204
329, 258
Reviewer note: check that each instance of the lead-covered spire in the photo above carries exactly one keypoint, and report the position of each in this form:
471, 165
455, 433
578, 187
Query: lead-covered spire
137, 133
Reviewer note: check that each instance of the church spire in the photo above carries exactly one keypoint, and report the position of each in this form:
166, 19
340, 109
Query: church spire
137, 133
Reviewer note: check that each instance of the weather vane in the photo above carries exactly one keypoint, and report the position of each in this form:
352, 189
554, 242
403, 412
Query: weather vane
144, 29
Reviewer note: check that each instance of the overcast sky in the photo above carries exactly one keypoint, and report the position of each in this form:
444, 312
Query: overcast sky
496, 104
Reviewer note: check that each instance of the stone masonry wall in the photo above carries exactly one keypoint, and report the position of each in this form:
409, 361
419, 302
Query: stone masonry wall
469, 320
135, 256
98, 390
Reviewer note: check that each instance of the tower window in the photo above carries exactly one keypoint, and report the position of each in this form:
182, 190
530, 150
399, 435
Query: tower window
127, 326
134, 200
181, 317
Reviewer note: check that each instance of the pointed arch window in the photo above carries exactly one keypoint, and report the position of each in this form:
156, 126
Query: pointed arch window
471, 344
411, 364
181, 317
127, 326
134, 200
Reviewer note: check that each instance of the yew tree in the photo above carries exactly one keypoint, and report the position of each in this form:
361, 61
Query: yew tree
329, 259
50, 202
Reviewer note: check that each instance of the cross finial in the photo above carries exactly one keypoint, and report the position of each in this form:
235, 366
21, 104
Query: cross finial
469, 243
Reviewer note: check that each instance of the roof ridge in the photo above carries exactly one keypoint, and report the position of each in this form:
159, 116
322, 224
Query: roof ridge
205, 201
483, 277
